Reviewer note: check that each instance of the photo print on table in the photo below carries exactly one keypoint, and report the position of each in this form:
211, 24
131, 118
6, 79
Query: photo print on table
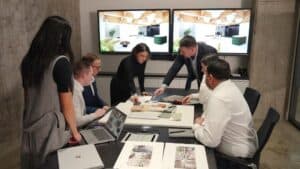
140, 156
185, 158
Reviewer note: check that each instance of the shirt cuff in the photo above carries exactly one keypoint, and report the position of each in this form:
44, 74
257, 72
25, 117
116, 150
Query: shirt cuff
196, 126
164, 86
195, 96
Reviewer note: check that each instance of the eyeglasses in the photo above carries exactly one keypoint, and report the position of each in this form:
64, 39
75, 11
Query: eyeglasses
96, 66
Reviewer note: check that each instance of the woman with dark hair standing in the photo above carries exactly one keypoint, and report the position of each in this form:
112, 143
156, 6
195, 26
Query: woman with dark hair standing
47, 81
122, 85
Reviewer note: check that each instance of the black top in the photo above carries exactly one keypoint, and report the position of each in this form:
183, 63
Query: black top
62, 75
130, 68
203, 50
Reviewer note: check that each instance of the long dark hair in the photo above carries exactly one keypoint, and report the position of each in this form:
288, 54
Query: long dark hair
141, 47
52, 40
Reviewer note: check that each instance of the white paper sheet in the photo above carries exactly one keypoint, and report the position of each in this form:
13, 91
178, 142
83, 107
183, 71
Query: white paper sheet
184, 156
140, 155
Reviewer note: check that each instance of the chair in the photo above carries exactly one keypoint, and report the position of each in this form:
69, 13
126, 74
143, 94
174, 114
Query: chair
252, 97
263, 133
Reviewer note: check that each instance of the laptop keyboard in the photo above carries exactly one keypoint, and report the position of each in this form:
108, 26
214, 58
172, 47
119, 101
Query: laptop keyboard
101, 134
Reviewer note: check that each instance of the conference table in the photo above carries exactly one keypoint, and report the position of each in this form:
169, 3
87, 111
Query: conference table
109, 152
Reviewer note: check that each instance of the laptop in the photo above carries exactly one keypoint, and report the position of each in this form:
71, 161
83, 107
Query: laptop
85, 156
110, 131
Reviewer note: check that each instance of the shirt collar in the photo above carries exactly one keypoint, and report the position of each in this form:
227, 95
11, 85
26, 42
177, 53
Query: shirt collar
78, 86
93, 79
221, 85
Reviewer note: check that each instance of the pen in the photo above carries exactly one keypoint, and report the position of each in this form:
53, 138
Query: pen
152, 138
178, 131
128, 137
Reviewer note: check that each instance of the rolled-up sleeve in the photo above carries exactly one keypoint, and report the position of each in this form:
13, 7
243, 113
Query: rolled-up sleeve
217, 116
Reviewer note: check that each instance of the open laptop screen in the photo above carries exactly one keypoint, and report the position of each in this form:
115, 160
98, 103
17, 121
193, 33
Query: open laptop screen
115, 122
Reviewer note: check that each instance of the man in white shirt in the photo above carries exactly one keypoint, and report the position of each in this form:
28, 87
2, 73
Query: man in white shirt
227, 124
83, 76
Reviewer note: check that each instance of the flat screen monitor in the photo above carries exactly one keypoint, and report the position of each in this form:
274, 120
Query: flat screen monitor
121, 30
228, 30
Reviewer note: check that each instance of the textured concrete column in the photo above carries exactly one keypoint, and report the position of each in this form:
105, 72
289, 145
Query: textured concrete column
271, 53
19, 21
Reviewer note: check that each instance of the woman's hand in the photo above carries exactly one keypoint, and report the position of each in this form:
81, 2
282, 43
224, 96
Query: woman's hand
75, 139
135, 100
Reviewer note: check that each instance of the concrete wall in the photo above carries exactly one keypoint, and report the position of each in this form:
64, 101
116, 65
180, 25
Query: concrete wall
271, 53
19, 21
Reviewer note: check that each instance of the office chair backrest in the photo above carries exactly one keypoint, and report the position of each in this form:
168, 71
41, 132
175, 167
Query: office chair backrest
252, 97
265, 131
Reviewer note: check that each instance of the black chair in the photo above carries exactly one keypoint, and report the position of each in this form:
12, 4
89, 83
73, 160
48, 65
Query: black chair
252, 97
263, 133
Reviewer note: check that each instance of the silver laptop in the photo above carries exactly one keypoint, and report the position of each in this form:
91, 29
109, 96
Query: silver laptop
79, 157
110, 131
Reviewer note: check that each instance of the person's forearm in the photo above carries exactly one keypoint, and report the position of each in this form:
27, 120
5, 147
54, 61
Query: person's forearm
85, 119
67, 109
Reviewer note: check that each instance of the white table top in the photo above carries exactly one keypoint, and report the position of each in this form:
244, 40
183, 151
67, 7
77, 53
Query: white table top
186, 121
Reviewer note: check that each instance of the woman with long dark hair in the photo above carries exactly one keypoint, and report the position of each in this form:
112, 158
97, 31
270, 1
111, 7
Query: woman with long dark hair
122, 85
47, 81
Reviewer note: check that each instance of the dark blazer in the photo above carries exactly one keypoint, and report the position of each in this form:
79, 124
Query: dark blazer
92, 101
122, 85
203, 49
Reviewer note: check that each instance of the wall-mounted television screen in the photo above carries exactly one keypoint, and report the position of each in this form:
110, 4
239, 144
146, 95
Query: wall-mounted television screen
227, 30
121, 30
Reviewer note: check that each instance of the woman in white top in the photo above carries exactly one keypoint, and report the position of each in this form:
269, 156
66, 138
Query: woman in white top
204, 91
83, 76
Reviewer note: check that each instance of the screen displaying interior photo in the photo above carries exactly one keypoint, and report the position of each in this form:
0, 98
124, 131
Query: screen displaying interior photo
226, 30
120, 30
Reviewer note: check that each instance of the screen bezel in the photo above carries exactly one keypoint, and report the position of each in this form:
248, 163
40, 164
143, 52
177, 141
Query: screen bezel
220, 54
154, 54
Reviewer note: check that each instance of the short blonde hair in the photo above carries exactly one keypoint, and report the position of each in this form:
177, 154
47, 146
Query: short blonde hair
90, 58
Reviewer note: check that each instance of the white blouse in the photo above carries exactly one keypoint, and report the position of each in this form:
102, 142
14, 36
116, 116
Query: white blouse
79, 106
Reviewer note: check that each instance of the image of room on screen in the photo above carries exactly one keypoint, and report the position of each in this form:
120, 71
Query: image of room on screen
120, 30
226, 30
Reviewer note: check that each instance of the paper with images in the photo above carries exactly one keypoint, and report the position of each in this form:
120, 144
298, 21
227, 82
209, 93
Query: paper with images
184, 156
137, 155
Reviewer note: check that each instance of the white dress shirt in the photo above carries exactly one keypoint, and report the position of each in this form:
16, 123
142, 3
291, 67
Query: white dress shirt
228, 122
203, 94
79, 106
